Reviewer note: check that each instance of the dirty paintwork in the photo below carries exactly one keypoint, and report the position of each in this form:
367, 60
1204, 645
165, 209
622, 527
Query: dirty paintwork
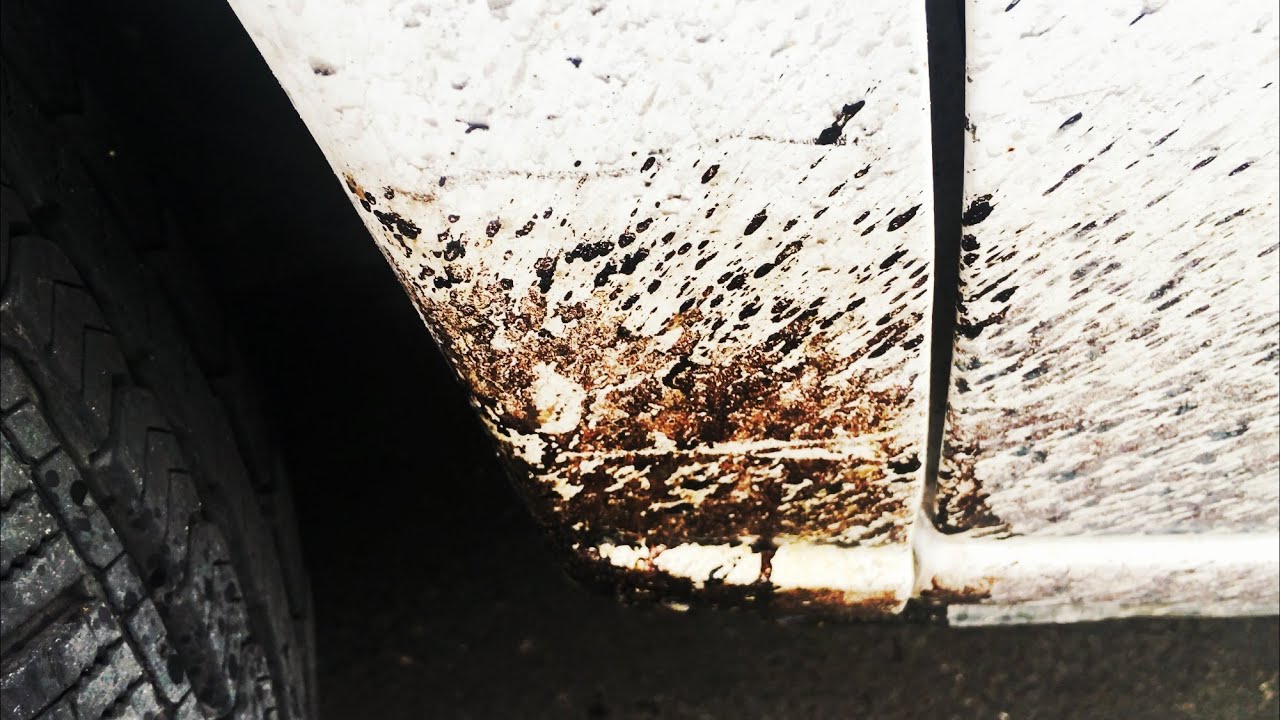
1118, 349
679, 253
1116, 358
984, 581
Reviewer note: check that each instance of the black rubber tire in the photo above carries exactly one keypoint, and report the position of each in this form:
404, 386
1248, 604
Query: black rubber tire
149, 560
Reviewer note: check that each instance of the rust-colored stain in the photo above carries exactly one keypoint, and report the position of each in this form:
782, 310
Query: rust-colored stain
941, 595
757, 403
641, 390
960, 503
642, 586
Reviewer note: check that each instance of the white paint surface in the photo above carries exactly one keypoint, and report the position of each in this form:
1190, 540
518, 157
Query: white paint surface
1114, 424
1129, 381
499, 139
667, 297
855, 575
1055, 579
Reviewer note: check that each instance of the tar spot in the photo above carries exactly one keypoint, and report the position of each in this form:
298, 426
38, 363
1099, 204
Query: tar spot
1232, 216
492, 228
644, 225
977, 211
394, 223
791, 249
447, 280
630, 262
832, 134
589, 250
528, 227
710, 173
1069, 174
862, 172
1160, 291
865, 214
903, 467
1241, 168
902, 219
545, 269
889, 261
575, 61
648, 163
755, 223
1071, 121
1204, 162
602, 277
790, 224
1004, 295
471, 127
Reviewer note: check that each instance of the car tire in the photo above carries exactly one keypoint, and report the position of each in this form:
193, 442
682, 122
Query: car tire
149, 557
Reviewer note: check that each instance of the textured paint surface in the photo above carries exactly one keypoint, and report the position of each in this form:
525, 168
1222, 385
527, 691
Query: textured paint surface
678, 252
985, 581
1116, 361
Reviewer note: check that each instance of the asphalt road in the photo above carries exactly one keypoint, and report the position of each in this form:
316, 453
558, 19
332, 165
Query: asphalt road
436, 596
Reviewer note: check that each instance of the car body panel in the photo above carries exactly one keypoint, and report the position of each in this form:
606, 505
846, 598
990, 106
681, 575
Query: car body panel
1112, 438
681, 254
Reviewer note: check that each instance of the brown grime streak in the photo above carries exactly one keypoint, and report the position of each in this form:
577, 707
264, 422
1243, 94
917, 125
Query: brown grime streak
758, 399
